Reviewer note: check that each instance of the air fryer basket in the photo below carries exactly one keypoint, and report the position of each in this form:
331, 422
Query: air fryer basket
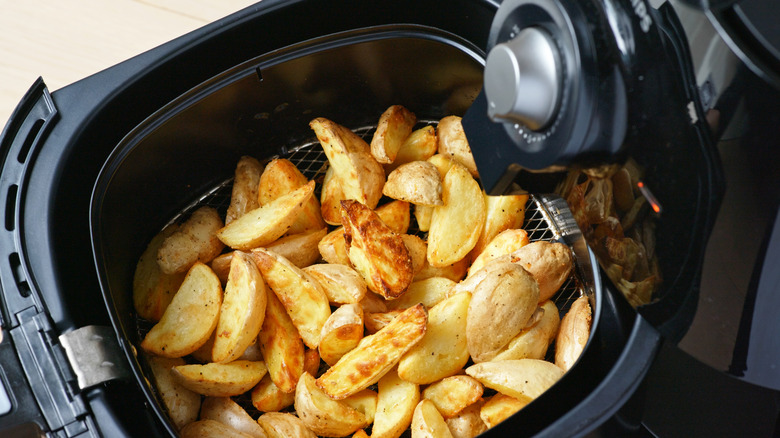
184, 154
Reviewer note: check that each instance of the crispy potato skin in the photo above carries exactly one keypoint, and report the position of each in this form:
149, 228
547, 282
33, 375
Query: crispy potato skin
417, 182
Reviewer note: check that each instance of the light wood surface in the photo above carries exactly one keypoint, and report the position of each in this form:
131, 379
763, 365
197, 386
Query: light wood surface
66, 40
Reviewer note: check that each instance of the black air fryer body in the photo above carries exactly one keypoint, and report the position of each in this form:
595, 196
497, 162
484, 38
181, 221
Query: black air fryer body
79, 209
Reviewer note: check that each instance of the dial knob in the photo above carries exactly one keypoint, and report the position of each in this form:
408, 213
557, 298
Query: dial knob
523, 79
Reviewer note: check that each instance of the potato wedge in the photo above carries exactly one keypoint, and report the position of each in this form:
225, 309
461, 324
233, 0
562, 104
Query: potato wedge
267, 397
360, 175
265, 224
281, 345
153, 289
284, 425
341, 283
517, 378
504, 212
331, 197
418, 250
427, 422
363, 402
500, 308
423, 215
243, 197
453, 394
454, 272
193, 242
341, 333
417, 182
500, 407
396, 400
394, 126
182, 404
375, 355
231, 414
378, 320
506, 242
333, 248
376, 252
220, 379
550, 263
396, 215
456, 225
300, 249
242, 312
452, 141
210, 429
190, 318
443, 163
443, 351
533, 342
573, 334
373, 303
420, 145
323, 415
467, 423
429, 292
282, 177
301, 295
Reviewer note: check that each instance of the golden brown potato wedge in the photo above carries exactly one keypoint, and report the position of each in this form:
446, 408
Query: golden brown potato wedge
265, 224
533, 342
360, 175
456, 225
396, 215
452, 141
231, 414
504, 243
417, 182
243, 196
517, 378
500, 407
549, 262
182, 404
242, 311
193, 242
341, 283
394, 126
396, 400
300, 249
281, 345
267, 397
443, 351
341, 333
331, 197
573, 334
467, 423
420, 145
190, 318
282, 177
453, 394
376, 252
427, 422
153, 289
429, 292
375, 355
210, 429
504, 212
284, 425
301, 295
220, 379
323, 415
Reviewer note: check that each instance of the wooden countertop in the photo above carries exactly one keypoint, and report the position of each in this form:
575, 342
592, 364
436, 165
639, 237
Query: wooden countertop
66, 40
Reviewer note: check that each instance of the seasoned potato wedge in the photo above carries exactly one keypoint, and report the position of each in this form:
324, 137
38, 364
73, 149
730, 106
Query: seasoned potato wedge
394, 126
193, 242
323, 415
500, 407
396, 400
456, 225
341, 283
517, 378
503, 212
265, 224
360, 175
452, 141
376, 252
375, 355
220, 379
210, 429
242, 311
420, 145
453, 394
243, 197
549, 262
533, 342
231, 414
284, 425
573, 333
331, 197
182, 404
417, 182
427, 422
504, 243
301, 295
429, 292
467, 423
443, 351
190, 318
281, 345
153, 289
267, 397
282, 177
341, 333
300, 249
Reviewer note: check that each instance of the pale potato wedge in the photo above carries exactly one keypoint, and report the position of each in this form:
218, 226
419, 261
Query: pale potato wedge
331, 197
500, 308
182, 404
429, 292
376, 252
220, 379
231, 414
396, 400
427, 422
443, 163
418, 250
506, 242
373, 303
423, 215
267, 397
284, 425
549, 262
443, 351
341, 333
341, 283
517, 378
265, 224
378, 320
333, 247
153, 289
301, 295
253, 352
573, 334
323, 415
467, 423
300, 249
454, 272
500, 407
281, 345
417, 182
503, 212
242, 312
210, 429
533, 342
375, 355
420, 145
282, 177
360, 175
456, 225
194, 241
364, 402
452, 141
190, 318
395, 125
243, 195
453, 394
